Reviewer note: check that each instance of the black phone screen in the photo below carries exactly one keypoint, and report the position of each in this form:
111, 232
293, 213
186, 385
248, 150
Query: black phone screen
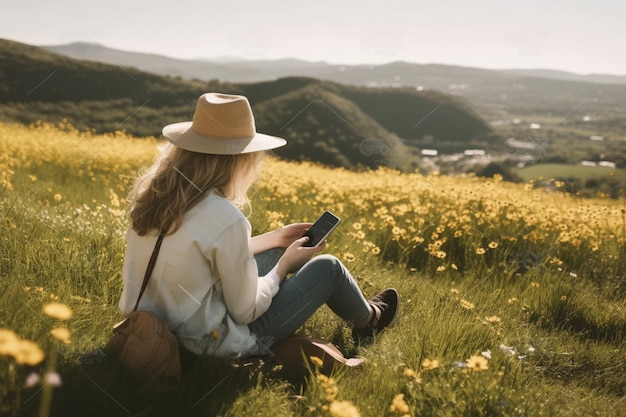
321, 228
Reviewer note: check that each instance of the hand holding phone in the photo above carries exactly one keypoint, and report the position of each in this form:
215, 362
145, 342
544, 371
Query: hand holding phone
322, 227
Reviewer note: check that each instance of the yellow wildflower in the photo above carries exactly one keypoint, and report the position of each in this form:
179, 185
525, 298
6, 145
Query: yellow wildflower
555, 261
466, 304
317, 361
493, 245
410, 373
62, 334
8, 342
398, 405
429, 364
57, 197
28, 353
480, 251
348, 257
477, 363
329, 386
343, 409
58, 311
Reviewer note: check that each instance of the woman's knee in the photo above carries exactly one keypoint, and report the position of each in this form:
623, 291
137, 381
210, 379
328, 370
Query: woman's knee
326, 261
328, 267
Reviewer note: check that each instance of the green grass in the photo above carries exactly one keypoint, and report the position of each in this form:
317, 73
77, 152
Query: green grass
556, 171
554, 335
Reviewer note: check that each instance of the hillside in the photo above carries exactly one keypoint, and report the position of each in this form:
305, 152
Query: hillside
512, 298
39, 85
495, 93
321, 123
33, 74
338, 120
569, 76
407, 113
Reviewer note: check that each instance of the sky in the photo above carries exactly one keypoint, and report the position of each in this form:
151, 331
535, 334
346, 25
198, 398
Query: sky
577, 36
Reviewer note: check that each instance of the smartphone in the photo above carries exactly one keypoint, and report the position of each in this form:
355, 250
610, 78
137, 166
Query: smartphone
321, 228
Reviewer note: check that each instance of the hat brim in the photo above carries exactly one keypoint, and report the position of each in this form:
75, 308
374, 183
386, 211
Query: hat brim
182, 135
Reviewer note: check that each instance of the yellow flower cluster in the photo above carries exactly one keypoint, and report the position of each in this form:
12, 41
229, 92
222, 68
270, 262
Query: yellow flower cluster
466, 304
438, 223
25, 352
343, 409
62, 334
399, 406
330, 403
58, 311
104, 156
454, 220
429, 364
329, 386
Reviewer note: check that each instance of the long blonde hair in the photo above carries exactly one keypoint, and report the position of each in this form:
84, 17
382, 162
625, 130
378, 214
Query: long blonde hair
178, 179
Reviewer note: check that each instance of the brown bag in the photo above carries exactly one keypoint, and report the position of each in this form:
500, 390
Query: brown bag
143, 344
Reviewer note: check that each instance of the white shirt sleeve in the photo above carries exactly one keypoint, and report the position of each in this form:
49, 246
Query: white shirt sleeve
273, 276
246, 295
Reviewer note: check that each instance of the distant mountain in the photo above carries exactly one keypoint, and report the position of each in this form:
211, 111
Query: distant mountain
493, 93
223, 69
569, 76
326, 122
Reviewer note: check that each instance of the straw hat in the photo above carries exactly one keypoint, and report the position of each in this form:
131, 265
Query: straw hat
223, 124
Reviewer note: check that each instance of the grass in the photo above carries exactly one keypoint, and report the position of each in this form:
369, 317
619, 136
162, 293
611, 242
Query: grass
530, 281
567, 171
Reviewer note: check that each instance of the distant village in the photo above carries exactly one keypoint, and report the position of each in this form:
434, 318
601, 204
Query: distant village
525, 152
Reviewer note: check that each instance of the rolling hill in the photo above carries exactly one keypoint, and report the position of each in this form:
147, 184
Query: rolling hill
495, 93
325, 122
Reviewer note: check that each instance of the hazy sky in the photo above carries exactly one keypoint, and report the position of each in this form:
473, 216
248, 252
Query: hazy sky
575, 35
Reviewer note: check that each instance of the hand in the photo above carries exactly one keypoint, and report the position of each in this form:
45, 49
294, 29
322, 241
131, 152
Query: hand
296, 255
286, 235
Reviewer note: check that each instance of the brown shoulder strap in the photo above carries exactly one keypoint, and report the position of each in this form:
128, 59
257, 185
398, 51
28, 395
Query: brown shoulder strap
149, 269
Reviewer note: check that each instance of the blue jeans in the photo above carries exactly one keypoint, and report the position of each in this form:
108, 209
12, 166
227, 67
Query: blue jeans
322, 280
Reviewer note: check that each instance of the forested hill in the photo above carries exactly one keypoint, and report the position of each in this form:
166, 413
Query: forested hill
325, 122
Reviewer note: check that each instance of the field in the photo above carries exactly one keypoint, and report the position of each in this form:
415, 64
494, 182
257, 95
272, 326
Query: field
568, 170
512, 297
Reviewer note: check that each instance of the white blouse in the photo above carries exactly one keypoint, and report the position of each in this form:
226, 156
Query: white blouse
205, 282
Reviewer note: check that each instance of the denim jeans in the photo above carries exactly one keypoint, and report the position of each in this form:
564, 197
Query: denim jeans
322, 280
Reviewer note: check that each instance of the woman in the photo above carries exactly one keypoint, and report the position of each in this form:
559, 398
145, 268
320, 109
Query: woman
205, 283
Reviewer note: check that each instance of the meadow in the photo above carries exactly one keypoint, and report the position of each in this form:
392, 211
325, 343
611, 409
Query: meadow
512, 296
569, 170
